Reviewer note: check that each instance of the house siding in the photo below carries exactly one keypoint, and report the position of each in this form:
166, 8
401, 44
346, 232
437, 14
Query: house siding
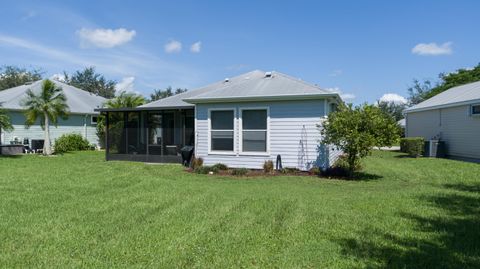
454, 125
291, 125
74, 124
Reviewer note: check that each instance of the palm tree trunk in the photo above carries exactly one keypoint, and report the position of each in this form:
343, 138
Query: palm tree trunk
47, 150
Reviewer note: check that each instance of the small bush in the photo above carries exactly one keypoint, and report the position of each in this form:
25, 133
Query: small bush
202, 169
314, 171
413, 146
289, 170
71, 142
240, 172
220, 167
268, 167
196, 163
342, 163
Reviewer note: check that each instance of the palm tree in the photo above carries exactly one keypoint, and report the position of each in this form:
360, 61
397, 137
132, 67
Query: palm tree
122, 100
48, 105
5, 124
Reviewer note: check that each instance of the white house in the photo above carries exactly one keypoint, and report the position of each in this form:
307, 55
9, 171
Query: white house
82, 118
240, 122
452, 116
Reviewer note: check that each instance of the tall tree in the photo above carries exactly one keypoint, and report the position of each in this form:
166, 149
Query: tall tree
123, 100
356, 130
160, 94
89, 80
5, 123
422, 91
393, 109
12, 76
48, 105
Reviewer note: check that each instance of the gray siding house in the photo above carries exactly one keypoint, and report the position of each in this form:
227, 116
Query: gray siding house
452, 116
240, 122
81, 120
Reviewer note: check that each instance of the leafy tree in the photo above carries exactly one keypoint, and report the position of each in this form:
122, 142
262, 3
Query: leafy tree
5, 123
48, 105
356, 130
395, 110
160, 94
422, 91
12, 76
89, 80
123, 100
419, 91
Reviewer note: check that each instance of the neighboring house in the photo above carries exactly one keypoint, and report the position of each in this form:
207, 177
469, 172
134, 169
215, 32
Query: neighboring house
452, 116
240, 122
82, 118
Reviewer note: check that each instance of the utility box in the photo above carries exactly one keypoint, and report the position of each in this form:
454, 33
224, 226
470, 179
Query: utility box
434, 149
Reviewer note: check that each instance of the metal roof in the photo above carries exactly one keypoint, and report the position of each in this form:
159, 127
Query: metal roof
254, 85
79, 101
460, 95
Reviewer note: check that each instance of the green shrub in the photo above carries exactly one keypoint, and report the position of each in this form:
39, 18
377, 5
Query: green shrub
268, 167
220, 167
342, 163
202, 169
196, 163
413, 146
240, 172
289, 170
315, 171
71, 142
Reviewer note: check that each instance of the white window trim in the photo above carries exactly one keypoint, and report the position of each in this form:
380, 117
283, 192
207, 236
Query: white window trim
91, 119
471, 111
240, 127
209, 136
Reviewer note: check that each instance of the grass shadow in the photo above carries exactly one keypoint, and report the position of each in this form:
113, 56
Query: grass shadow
452, 239
12, 156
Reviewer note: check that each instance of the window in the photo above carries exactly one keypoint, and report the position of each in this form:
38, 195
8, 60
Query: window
221, 130
94, 120
476, 110
254, 130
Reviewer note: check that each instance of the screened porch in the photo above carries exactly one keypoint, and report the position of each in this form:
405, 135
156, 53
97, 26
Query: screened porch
148, 135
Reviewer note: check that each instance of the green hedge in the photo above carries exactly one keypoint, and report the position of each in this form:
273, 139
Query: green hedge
413, 146
71, 142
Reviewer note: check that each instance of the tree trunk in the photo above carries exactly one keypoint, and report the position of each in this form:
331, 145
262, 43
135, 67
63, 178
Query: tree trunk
47, 149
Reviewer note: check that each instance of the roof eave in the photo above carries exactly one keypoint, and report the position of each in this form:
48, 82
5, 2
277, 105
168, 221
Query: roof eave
469, 102
126, 109
261, 98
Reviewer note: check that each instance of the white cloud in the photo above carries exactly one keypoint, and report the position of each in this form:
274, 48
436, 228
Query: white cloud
126, 85
433, 49
196, 47
344, 96
30, 14
105, 38
173, 46
335, 73
58, 77
393, 98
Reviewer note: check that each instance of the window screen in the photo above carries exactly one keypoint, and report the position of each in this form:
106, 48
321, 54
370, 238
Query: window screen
221, 133
254, 130
476, 110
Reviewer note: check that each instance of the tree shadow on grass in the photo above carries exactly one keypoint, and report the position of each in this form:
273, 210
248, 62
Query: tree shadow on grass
11, 156
450, 240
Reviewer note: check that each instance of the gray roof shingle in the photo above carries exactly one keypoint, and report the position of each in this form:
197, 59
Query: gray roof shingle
464, 94
79, 101
253, 84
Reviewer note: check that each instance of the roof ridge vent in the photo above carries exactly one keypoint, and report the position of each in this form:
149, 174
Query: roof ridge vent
268, 74
28, 83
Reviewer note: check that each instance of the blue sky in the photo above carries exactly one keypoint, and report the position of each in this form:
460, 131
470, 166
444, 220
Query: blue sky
362, 48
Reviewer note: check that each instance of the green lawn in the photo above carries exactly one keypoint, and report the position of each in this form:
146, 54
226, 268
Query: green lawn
77, 210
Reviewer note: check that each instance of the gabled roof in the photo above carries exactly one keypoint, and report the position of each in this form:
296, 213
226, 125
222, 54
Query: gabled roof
460, 95
254, 85
79, 101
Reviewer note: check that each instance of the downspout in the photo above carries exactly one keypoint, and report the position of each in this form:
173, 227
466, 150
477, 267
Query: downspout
85, 126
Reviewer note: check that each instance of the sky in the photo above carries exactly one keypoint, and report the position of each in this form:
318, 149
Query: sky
363, 49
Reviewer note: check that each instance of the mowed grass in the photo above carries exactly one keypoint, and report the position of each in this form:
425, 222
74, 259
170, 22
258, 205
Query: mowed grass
77, 210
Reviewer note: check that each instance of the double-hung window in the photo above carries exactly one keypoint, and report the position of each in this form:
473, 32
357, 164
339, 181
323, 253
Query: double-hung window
222, 130
254, 130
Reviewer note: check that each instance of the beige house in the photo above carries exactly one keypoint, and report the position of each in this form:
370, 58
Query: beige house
452, 116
